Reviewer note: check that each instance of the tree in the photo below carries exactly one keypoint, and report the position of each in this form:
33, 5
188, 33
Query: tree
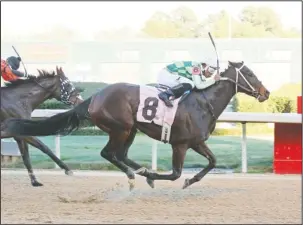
185, 21
160, 25
181, 22
217, 24
291, 90
264, 18
254, 22
246, 30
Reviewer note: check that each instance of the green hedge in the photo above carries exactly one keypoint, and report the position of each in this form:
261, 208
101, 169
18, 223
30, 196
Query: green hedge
53, 104
89, 132
275, 104
283, 100
87, 90
283, 104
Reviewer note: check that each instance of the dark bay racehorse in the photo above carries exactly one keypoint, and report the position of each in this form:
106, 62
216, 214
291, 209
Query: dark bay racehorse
18, 100
114, 109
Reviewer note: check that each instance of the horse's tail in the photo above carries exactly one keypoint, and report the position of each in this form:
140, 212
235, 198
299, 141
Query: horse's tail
62, 123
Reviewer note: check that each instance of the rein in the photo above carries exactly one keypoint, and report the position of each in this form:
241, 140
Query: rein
238, 71
252, 90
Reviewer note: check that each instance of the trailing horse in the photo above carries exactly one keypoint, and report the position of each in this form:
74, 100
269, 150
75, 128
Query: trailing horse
121, 109
19, 98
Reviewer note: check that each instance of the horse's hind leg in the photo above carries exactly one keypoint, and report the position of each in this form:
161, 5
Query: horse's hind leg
114, 147
23, 146
39, 144
203, 150
137, 167
4, 133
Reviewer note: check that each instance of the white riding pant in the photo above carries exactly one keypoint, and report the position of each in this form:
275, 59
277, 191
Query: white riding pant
169, 79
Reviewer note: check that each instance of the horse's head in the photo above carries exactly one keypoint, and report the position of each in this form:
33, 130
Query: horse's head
61, 88
245, 81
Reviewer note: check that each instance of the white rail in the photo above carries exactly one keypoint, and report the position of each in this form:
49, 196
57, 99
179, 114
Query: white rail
243, 118
224, 117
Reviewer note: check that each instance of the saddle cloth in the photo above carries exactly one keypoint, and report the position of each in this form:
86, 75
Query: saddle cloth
152, 109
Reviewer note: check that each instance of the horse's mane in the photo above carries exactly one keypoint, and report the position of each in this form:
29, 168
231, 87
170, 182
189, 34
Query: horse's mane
222, 74
30, 79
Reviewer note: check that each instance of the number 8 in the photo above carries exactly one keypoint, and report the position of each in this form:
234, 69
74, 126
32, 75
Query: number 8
152, 108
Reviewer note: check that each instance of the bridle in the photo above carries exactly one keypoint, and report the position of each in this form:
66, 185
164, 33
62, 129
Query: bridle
64, 94
252, 90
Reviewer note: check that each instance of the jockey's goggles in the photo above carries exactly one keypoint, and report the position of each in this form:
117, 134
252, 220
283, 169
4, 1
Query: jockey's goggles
210, 69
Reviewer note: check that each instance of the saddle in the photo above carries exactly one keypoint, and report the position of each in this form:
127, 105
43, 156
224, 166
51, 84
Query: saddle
162, 87
152, 110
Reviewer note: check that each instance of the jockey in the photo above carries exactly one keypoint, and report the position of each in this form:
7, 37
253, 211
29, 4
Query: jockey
9, 68
183, 76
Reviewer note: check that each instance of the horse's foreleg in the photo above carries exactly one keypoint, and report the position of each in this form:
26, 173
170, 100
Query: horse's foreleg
178, 159
23, 147
203, 150
38, 144
179, 152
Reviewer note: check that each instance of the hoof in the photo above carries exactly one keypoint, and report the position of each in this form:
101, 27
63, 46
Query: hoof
131, 183
186, 183
69, 173
36, 184
150, 182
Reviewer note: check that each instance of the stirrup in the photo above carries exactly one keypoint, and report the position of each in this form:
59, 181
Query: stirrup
168, 103
165, 98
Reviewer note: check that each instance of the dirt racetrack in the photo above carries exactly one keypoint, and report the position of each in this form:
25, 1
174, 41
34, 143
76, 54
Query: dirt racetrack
106, 199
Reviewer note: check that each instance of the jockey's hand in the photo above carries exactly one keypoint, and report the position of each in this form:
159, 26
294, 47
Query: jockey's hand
217, 77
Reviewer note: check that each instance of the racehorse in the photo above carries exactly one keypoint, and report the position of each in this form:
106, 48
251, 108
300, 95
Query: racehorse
114, 109
18, 100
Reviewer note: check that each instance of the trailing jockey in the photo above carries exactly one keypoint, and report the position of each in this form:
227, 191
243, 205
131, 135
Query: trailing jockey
9, 69
184, 76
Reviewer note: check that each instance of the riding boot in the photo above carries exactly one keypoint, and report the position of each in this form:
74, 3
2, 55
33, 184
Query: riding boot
180, 89
165, 95
176, 91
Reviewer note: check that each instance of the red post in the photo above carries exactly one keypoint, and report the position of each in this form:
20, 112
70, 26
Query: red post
288, 146
299, 104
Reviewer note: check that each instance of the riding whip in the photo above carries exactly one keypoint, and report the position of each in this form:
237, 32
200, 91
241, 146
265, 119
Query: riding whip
21, 60
212, 41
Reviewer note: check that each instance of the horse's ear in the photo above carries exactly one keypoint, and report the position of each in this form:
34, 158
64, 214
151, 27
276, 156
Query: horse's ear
39, 71
57, 69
